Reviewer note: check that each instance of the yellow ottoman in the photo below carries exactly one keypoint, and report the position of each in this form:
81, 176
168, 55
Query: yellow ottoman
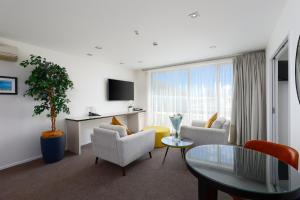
161, 132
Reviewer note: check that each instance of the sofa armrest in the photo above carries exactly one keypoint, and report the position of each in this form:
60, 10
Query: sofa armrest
134, 146
104, 143
202, 136
198, 123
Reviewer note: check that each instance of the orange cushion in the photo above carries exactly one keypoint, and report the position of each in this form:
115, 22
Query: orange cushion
115, 121
211, 120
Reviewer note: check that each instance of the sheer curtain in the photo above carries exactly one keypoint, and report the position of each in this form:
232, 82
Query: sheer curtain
169, 95
196, 92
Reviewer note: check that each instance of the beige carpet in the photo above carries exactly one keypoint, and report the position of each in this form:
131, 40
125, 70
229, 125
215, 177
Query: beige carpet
78, 178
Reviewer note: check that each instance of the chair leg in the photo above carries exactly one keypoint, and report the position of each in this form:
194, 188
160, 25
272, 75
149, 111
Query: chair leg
150, 154
123, 171
96, 160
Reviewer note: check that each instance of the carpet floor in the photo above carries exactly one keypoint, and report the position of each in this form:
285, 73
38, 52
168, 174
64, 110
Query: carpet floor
78, 178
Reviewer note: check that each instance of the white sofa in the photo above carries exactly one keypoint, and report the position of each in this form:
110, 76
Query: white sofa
111, 143
202, 136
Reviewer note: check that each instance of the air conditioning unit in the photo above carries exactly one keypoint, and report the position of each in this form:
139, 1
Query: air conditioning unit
8, 53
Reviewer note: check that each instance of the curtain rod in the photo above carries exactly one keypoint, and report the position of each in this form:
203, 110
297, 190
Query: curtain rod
203, 60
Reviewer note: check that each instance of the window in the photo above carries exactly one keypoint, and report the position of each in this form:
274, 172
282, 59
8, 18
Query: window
196, 92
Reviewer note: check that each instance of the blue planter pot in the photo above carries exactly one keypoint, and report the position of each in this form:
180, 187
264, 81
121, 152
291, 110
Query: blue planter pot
53, 149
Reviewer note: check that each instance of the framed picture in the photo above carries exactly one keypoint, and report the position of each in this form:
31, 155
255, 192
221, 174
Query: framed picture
8, 85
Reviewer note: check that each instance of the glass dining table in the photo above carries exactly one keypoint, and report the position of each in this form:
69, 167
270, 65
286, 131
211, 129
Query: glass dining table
241, 172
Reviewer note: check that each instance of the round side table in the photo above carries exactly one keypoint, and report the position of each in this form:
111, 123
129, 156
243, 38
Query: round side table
171, 142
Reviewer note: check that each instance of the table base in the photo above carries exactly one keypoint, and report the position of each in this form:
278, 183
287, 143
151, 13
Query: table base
182, 150
206, 191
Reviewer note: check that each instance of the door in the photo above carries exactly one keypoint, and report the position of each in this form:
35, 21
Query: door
280, 97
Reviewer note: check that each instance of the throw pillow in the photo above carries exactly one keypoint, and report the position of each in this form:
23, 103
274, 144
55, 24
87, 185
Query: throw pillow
115, 121
218, 123
211, 120
120, 129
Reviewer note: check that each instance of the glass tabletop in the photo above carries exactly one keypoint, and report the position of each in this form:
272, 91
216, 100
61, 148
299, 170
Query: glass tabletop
172, 142
243, 169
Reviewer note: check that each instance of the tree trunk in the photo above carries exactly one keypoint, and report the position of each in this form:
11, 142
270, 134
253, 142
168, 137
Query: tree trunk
52, 112
53, 123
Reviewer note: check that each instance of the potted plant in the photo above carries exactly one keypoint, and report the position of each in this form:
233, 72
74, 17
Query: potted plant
48, 84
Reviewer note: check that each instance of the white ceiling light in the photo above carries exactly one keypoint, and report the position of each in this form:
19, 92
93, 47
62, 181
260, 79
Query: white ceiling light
89, 54
155, 43
136, 32
98, 47
121, 63
194, 15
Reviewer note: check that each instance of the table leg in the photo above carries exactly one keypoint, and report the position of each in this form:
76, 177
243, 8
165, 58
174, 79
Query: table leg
183, 153
205, 191
165, 155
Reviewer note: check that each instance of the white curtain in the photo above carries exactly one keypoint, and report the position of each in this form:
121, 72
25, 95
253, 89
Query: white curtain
196, 92
169, 95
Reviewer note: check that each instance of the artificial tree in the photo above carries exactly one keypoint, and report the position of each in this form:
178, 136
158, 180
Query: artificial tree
48, 84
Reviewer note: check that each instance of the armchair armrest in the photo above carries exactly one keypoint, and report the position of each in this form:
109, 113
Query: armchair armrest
198, 123
104, 144
202, 136
133, 146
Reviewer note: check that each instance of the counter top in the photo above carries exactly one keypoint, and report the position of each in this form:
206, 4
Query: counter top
85, 118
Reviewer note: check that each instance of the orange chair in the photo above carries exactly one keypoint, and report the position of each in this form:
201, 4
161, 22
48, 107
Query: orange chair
282, 152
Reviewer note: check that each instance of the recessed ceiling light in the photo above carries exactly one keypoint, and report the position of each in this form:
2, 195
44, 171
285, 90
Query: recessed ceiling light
194, 15
155, 43
136, 32
213, 47
89, 54
98, 47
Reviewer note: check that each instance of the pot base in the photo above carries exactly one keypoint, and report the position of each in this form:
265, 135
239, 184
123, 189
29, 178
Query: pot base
53, 148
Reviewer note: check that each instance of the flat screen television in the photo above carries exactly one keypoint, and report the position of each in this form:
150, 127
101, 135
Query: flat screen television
120, 90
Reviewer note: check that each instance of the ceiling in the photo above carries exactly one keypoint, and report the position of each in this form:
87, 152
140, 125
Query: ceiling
77, 26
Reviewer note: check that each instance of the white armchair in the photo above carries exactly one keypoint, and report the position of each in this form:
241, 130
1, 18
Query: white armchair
108, 145
202, 136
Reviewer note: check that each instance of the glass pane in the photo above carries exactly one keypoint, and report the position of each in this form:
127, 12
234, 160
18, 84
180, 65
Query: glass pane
196, 93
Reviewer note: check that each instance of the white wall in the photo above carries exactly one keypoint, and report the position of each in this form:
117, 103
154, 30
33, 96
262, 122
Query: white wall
19, 131
288, 26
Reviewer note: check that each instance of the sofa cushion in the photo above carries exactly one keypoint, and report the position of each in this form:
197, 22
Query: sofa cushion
120, 129
115, 121
211, 120
226, 125
218, 123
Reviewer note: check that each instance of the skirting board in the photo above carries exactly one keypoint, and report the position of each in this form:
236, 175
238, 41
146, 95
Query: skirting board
20, 162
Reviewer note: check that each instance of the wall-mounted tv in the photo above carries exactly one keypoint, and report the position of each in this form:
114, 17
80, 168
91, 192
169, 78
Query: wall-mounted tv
120, 90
